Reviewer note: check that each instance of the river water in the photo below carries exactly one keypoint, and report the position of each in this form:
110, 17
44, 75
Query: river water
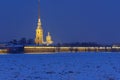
60, 66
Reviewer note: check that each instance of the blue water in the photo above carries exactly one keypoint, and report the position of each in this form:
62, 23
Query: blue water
60, 66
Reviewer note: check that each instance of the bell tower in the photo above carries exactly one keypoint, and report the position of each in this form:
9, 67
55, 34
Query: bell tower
39, 30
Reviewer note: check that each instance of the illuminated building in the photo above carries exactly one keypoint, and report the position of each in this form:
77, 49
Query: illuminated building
48, 39
39, 32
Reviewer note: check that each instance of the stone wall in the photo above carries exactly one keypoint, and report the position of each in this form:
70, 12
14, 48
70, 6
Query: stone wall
38, 49
3, 51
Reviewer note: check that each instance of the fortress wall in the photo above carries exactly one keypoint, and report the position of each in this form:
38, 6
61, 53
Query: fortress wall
31, 49
3, 51
41, 49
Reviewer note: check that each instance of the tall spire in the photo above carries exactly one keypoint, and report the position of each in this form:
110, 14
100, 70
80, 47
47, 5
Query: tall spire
38, 9
39, 39
39, 21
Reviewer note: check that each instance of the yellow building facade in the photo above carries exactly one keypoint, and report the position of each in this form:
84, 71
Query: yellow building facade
39, 33
48, 39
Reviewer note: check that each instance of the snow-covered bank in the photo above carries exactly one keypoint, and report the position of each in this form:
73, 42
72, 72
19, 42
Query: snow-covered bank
87, 66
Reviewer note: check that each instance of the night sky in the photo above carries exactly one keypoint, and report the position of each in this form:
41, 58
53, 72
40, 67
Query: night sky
66, 20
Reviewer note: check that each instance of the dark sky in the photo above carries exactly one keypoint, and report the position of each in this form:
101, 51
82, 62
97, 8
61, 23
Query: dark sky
67, 20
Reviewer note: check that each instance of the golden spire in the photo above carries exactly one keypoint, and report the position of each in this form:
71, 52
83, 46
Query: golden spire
38, 9
39, 30
39, 21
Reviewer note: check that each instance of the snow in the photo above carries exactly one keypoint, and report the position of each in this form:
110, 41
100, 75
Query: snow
60, 66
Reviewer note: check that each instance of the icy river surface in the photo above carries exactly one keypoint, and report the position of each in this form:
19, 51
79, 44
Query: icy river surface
60, 66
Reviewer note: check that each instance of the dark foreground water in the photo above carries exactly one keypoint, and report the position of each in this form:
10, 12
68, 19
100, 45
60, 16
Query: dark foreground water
60, 66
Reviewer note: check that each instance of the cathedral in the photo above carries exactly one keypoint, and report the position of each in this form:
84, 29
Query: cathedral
40, 33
